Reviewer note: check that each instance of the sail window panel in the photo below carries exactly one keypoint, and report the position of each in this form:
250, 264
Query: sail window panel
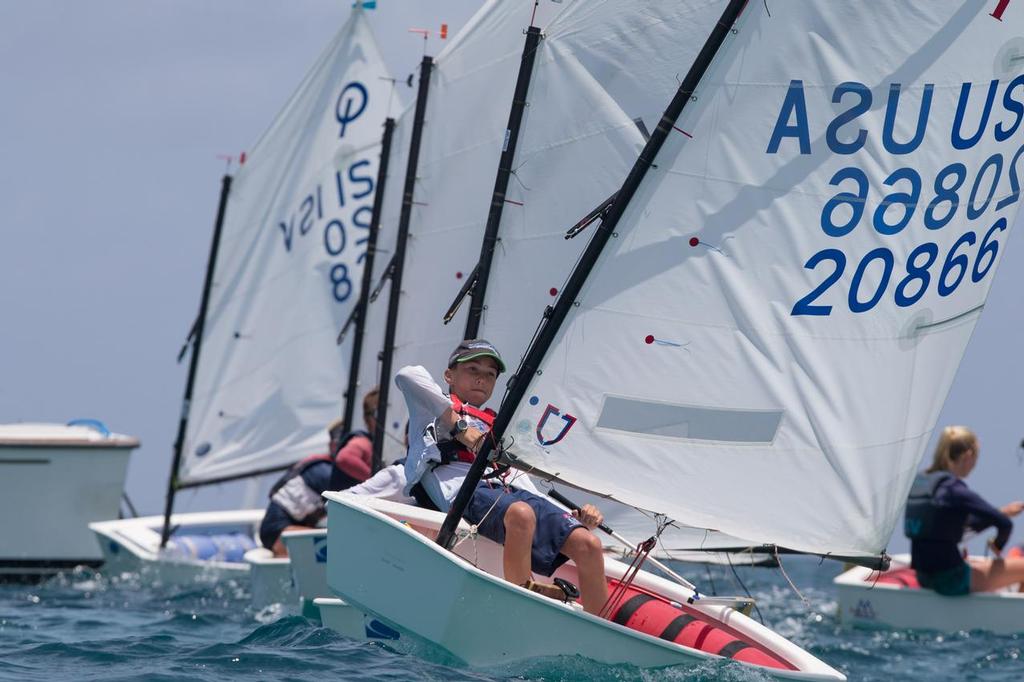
689, 422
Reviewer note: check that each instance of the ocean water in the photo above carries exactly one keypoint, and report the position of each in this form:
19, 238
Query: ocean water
89, 626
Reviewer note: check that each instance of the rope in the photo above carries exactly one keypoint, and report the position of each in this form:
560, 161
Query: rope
615, 598
474, 528
743, 587
805, 600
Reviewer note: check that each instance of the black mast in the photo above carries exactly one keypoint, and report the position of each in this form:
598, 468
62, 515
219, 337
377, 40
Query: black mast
508, 152
554, 316
364, 291
197, 342
398, 263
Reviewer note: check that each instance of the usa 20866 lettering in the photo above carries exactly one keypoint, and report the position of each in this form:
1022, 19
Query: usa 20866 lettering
956, 195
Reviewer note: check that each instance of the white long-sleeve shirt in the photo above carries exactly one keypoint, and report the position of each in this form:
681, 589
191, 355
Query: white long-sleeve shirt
426, 402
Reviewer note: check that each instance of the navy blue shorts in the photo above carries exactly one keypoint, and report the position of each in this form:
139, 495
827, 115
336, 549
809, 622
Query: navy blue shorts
275, 520
953, 582
553, 523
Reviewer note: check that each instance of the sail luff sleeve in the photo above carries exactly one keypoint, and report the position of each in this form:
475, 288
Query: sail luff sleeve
478, 293
367, 282
197, 343
395, 293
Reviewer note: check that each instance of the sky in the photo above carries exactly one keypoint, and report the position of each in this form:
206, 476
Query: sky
115, 115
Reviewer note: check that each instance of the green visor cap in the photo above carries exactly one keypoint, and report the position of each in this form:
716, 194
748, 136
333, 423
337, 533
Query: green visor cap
475, 348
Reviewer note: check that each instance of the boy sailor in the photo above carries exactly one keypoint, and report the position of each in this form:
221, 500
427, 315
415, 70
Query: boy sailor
445, 432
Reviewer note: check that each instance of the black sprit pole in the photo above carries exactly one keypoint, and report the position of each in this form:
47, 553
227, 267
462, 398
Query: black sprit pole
367, 283
554, 317
388, 351
197, 342
508, 152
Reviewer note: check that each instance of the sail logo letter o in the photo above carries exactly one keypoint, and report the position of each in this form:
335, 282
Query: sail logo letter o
351, 104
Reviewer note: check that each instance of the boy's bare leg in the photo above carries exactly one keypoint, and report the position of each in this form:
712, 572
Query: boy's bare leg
585, 550
520, 523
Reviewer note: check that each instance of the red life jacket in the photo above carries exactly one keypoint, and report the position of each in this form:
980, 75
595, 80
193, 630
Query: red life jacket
452, 450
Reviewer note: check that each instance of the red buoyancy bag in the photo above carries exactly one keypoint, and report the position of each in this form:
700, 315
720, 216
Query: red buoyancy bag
653, 615
904, 577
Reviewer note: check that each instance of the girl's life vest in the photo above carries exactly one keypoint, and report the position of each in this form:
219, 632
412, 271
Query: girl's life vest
926, 518
303, 502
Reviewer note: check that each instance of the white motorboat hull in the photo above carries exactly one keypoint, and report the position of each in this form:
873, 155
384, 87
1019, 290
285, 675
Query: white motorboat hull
867, 602
270, 579
133, 545
307, 551
393, 570
54, 480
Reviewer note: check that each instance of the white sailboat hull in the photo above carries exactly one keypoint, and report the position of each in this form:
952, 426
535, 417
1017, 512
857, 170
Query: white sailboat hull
270, 579
349, 621
341, 617
393, 570
307, 551
133, 545
868, 603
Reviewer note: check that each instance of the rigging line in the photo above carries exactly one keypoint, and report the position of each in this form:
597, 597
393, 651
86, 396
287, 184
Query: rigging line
743, 587
711, 580
619, 593
805, 600
474, 532
515, 175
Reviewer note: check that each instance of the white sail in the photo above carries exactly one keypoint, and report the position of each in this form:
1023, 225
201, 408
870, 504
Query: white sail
764, 345
467, 107
270, 376
575, 148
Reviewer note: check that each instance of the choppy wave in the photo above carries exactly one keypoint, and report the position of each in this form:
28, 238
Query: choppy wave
90, 626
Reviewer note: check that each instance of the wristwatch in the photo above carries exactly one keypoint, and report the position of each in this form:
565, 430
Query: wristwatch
459, 427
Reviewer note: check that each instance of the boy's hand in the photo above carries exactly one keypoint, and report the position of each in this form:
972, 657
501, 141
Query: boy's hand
589, 516
472, 438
